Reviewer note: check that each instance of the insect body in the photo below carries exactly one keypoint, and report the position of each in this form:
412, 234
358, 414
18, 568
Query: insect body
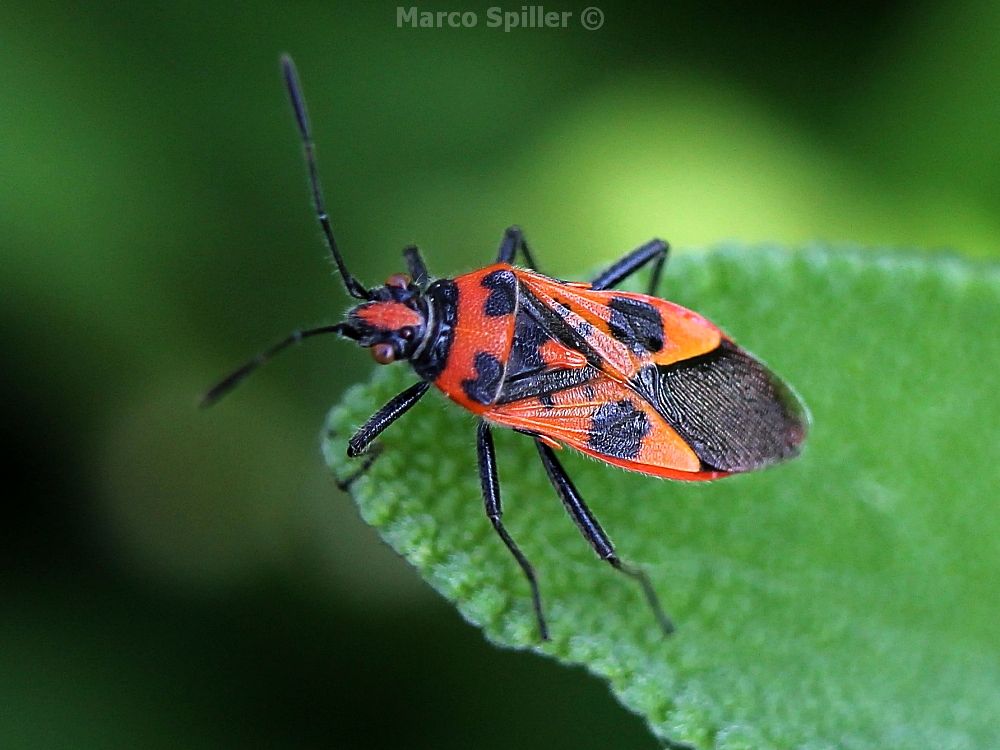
629, 379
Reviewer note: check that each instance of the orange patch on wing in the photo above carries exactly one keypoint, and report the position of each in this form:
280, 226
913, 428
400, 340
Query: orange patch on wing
686, 334
559, 357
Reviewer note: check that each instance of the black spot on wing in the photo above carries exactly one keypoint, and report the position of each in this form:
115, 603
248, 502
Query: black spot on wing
636, 323
734, 413
617, 430
489, 372
503, 293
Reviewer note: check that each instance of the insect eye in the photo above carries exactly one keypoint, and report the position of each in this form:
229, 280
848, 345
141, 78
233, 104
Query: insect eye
398, 280
407, 333
383, 353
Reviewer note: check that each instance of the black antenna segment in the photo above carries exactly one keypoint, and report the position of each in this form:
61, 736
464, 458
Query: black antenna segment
354, 287
238, 375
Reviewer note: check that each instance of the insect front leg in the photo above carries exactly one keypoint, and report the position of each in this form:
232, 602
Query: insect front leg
512, 242
654, 251
416, 266
491, 499
373, 453
591, 529
363, 439
384, 417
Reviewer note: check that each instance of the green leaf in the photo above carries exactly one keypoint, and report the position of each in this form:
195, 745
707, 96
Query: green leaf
845, 599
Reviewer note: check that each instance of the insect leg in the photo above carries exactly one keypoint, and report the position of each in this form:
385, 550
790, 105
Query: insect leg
362, 443
384, 417
374, 452
513, 240
591, 529
491, 499
416, 266
654, 251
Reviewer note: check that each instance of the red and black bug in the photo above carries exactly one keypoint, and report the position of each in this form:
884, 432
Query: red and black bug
626, 378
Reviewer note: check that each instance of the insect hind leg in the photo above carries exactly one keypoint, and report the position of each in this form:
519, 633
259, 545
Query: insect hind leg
654, 251
591, 529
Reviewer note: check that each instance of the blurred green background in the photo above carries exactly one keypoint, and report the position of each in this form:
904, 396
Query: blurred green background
176, 578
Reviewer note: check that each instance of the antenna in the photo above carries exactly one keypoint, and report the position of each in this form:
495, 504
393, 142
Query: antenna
236, 377
354, 287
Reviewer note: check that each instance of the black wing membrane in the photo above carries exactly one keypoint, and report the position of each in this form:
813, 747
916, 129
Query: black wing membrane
735, 413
